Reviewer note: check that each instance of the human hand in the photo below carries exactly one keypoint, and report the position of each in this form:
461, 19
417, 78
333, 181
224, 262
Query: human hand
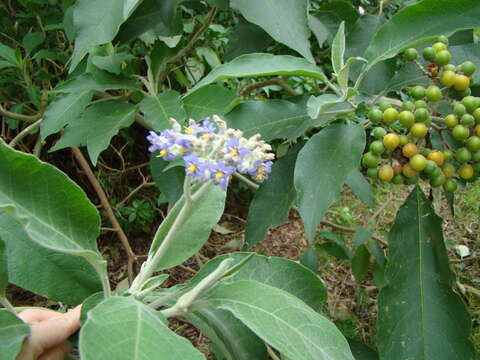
49, 332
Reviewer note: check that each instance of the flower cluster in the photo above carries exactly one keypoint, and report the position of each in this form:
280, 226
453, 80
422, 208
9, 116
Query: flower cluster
213, 151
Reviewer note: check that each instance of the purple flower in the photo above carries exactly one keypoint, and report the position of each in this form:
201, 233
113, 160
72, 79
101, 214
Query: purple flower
208, 127
194, 167
235, 149
221, 174
261, 171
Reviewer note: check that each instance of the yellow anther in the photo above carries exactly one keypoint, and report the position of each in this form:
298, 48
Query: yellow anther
206, 136
234, 151
259, 176
192, 168
163, 152
218, 175
261, 169
188, 130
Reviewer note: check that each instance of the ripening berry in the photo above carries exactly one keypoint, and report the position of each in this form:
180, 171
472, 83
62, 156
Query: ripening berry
439, 46
403, 140
462, 82
408, 172
448, 170
418, 162
447, 78
466, 171
390, 115
448, 155
476, 115
433, 93
409, 150
391, 141
460, 132
419, 130
385, 173
451, 120
437, 156
477, 130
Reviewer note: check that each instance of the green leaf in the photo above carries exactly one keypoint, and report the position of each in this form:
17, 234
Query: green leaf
54, 211
361, 187
64, 110
12, 333
209, 100
132, 331
272, 201
335, 245
273, 17
316, 106
318, 28
282, 320
252, 65
419, 314
169, 182
95, 23
32, 40
362, 235
33, 267
159, 109
310, 260
3, 268
194, 231
338, 49
344, 73
361, 351
246, 38
273, 119
407, 76
233, 339
95, 134
9, 54
112, 63
431, 17
360, 263
97, 80
274, 271
322, 167
159, 15
129, 6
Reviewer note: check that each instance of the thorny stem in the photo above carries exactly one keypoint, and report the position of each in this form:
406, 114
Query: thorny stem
184, 303
151, 264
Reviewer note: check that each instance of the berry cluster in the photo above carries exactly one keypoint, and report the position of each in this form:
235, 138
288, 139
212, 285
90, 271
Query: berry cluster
211, 151
401, 150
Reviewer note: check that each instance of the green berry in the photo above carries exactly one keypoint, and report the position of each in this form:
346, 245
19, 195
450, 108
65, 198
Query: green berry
390, 115
439, 46
438, 180
463, 155
450, 185
406, 118
443, 57
459, 109
398, 179
442, 39
429, 53
421, 115
430, 167
377, 147
375, 116
476, 115
433, 93
418, 92
470, 103
372, 172
460, 132
473, 143
421, 104
450, 67
467, 120
408, 105
384, 105
379, 132
410, 54
451, 120
468, 68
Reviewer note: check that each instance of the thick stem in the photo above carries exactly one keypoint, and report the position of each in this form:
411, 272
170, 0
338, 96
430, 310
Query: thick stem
150, 266
28, 118
7, 305
25, 132
101, 269
185, 302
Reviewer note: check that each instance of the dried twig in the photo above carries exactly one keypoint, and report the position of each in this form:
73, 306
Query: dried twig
108, 209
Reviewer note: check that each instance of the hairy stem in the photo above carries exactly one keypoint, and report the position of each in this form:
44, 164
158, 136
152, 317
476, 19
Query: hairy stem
28, 118
8, 305
25, 132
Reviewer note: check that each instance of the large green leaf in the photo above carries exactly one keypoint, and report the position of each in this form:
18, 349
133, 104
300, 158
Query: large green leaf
66, 109
273, 200
96, 23
338, 49
419, 314
159, 109
169, 182
111, 63
406, 76
323, 166
251, 65
420, 23
246, 38
273, 119
282, 320
98, 125
195, 230
3, 268
284, 20
97, 80
125, 329
361, 187
361, 351
33, 267
232, 338
12, 333
208, 101
54, 211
